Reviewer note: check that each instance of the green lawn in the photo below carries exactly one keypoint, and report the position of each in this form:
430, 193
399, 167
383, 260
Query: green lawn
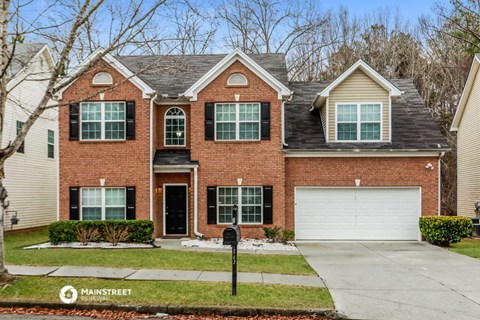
469, 247
171, 292
145, 258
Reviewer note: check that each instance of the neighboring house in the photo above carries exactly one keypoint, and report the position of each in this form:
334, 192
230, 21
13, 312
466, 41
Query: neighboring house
31, 174
190, 136
466, 124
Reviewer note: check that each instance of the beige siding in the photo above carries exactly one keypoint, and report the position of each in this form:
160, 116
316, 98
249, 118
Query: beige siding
31, 178
359, 87
468, 144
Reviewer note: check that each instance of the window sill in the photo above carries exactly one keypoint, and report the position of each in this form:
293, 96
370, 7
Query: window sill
238, 141
100, 141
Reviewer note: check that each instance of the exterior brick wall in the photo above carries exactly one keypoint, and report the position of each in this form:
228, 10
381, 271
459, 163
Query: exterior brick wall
258, 163
404, 171
120, 163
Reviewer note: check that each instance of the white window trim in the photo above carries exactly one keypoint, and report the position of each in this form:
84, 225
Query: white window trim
359, 122
238, 121
51, 144
184, 117
239, 212
102, 121
102, 83
103, 198
237, 84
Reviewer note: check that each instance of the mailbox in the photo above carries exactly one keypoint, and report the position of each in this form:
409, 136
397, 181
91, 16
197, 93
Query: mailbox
231, 235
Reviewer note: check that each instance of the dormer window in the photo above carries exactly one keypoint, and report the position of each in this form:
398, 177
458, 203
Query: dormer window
359, 122
175, 127
237, 79
102, 78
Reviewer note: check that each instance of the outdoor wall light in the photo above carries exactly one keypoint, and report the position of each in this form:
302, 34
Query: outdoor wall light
429, 166
179, 134
158, 190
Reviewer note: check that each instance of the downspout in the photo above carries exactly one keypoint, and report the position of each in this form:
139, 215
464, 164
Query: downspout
152, 98
440, 182
283, 119
195, 204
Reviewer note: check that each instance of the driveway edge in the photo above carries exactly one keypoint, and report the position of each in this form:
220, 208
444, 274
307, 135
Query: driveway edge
179, 309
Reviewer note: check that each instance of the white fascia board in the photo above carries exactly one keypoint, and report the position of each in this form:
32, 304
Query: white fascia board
466, 93
227, 61
360, 64
147, 91
364, 153
173, 168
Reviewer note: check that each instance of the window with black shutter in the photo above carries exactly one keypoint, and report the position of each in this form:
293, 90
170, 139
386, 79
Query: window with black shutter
267, 205
130, 120
73, 118
131, 203
74, 203
209, 121
265, 127
211, 205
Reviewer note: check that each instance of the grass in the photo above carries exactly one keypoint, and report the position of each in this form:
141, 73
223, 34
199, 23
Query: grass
170, 292
468, 246
144, 258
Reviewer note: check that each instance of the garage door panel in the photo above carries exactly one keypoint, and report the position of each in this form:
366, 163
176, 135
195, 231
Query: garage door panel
357, 214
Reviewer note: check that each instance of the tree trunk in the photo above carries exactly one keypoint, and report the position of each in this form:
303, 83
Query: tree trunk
5, 277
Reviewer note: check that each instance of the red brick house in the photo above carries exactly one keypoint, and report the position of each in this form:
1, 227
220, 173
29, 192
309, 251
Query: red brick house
181, 139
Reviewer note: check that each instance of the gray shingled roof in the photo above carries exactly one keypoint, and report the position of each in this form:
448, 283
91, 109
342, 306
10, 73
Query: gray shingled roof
167, 157
174, 74
24, 52
412, 126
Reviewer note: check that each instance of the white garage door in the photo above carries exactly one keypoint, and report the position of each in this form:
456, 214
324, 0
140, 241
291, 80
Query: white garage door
357, 213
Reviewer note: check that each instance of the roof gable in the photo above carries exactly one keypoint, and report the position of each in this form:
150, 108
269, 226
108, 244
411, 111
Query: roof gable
366, 69
466, 93
147, 91
236, 55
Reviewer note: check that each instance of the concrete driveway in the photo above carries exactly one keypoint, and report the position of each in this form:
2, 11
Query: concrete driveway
397, 280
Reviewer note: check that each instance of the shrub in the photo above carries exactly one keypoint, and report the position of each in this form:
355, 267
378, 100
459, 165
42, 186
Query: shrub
445, 230
116, 232
62, 231
88, 231
272, 233
287, 235
139, 231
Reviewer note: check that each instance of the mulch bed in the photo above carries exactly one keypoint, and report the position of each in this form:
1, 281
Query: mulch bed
127, 315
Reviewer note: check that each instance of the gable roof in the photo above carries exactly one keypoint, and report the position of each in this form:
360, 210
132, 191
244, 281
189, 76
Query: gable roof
24, 53
147, 91
177, 75
369, 71
413, 127
466, 92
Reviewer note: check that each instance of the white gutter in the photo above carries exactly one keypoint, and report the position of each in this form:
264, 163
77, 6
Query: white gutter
195, 204
153, 97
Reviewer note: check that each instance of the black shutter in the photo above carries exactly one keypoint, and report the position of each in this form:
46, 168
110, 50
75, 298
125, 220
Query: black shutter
74, 203
209, 121
265, 121
211, 205
130, 120
131, 201
267, 205
73, 121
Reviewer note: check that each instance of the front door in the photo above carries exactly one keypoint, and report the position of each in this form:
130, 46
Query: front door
175, 210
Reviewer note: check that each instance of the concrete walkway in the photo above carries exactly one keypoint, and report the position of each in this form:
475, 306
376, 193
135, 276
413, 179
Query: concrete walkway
397, 280
171, 275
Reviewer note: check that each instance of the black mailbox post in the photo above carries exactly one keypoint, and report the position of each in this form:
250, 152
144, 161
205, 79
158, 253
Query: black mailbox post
231, 237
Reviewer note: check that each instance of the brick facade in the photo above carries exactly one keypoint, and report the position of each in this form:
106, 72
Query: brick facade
120, 163
373, 172
221, 163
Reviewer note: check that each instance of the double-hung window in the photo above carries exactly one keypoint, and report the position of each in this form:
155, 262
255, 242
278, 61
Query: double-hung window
237, 121
103, 120
51, 144
20, 149
359, 121
103, 203
248, 200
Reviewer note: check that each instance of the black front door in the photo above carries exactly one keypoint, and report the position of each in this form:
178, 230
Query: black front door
175, 210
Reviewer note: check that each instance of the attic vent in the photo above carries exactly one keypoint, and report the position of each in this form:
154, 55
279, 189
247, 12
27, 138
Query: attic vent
102, 78
237, 79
